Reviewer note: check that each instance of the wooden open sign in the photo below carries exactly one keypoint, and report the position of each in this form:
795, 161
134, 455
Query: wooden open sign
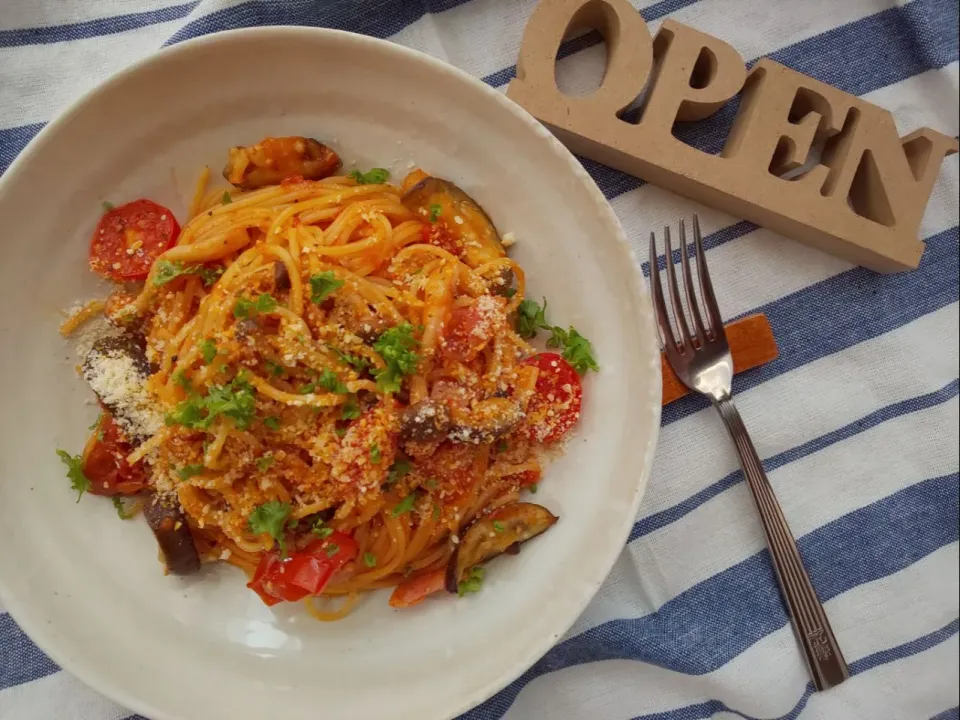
863, 201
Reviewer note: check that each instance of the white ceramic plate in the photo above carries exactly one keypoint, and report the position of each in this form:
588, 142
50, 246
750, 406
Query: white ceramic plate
87, 587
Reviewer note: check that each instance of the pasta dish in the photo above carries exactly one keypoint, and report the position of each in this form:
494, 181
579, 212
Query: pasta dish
324, 379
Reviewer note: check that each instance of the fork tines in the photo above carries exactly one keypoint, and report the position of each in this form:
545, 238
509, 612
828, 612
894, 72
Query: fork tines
689, 317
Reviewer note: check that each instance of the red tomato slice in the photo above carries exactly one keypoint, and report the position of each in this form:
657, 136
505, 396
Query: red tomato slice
304, 573
129, 238
555, 405
472, 327
415, 590
105, 461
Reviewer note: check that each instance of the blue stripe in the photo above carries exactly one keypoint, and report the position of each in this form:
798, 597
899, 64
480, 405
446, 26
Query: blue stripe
706, 626
20, 660
661, 519
908, 649
93, 28
388, 18
859, 304
848, 51
951, 714
14, 140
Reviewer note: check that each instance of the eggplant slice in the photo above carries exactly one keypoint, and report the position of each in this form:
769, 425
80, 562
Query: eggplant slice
424, 421
273, 160
116, 368
169, 525
440, 200
502, 531
487, 421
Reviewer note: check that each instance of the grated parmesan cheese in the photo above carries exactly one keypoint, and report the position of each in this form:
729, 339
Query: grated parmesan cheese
117, 381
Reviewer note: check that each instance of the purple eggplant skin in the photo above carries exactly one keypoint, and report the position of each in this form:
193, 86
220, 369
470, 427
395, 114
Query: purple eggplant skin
502, 531
165, 517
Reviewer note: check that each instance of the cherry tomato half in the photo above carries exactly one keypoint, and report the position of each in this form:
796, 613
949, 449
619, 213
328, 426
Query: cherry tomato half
555, 405
129, 238
105, 461
304, 573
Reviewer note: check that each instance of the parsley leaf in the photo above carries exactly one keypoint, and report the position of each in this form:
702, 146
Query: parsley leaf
226, 199
276, 369
270, 518
189, 471
472, 582
357, 362
121, 509
373, 177
533, 488
235, 400
265, 462
396, 346
375, 454
321, 529
577, 350
530, 317
247, 308
398, 470
272, 423
107, 206
322, 285
330, 381
208, 349
167, 271
182, 379
340, 431
435, 211
405, 505
498, 526
350, 410
78, 481
370, 560
331, 549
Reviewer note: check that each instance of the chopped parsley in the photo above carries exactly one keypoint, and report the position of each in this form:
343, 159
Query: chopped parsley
121, 509
350, 410
322, 285
370, 560
96, 423
396, 346
276, 369
208, 348
321, 529
534, 488
509, 292
270, 519
577, 350
357, 362
340, 431
247, 308
330, 381
502, 446
226, 199
375, 454
272, 423
375, 176
265, 462
331, 549
498, 526
78, 481
398, 470
167, 271
472, 582
435, 211
180, 378
530, 318
405, 505
100, 435
189, 471
235, 400
107, 206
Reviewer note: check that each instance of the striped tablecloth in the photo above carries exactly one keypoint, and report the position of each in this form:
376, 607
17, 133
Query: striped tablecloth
857, 420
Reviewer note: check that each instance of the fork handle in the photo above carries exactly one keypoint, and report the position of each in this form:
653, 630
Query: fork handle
817, 641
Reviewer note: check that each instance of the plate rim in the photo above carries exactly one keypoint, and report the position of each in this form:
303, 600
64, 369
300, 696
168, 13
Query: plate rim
99, 680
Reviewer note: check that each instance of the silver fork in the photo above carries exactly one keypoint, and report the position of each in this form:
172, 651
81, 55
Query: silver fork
701, 359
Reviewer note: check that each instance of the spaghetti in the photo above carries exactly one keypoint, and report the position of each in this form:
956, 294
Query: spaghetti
348, 394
